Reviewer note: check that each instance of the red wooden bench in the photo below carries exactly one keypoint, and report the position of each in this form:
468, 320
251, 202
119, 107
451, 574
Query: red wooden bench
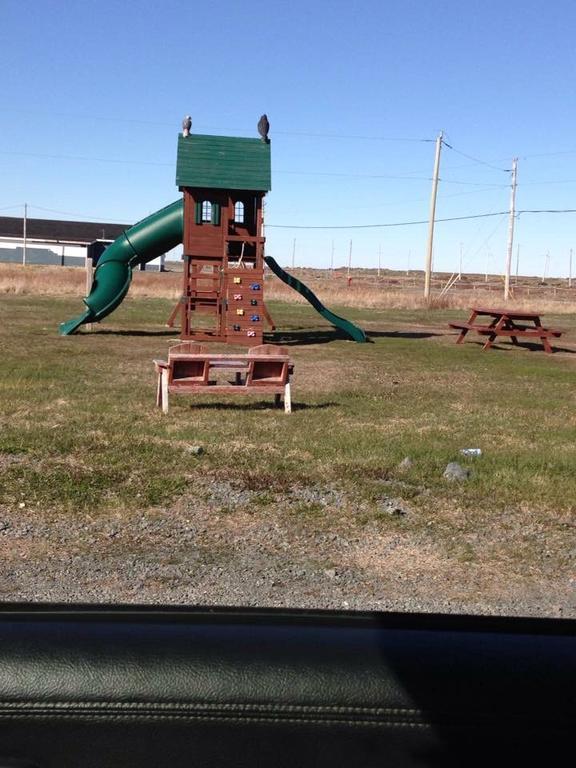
192, 369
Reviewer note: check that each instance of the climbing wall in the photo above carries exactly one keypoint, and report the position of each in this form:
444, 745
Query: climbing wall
243, 310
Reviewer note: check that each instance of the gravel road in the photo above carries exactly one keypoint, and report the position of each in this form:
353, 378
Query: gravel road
305, 548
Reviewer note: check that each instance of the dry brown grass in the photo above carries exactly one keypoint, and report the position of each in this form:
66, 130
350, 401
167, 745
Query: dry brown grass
398, 292
365, 290
51, 281
71, 281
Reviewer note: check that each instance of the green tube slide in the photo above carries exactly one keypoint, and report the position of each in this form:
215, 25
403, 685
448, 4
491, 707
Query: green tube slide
148, 239
351, 330
143, 242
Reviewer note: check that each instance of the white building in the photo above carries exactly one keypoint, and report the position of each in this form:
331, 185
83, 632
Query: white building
62, 243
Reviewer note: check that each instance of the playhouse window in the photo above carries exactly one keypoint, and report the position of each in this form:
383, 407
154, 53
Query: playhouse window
239, 213
206, 211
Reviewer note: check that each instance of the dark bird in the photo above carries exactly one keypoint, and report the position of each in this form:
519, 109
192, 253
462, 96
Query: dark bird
186, 125
264, 128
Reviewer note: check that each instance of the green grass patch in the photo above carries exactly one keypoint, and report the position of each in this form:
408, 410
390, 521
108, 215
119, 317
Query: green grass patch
79, 430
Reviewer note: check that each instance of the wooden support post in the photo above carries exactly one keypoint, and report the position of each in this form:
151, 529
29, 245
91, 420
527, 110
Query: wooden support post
268, 317
159, 390
164, 384
287, 399
172, 319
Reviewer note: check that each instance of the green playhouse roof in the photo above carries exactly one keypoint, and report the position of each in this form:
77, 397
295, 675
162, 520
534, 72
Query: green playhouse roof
223, 162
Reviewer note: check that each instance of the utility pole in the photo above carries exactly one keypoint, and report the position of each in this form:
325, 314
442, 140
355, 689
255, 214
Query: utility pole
332, 259
24, 225
517, 261
546, 264
570, 271
293, 252
510, 230
349, 258
428, 271
379, 259
460, 266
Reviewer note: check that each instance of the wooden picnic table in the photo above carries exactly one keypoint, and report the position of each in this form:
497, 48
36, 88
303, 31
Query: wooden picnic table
510, 323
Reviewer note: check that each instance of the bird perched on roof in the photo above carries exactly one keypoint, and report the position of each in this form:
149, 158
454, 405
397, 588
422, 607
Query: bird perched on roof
264, 128
186, 125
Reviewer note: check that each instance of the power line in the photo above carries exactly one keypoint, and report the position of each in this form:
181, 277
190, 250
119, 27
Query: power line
486, 239
120, 161
403, 177
393, 224
352, 175
354, 137
90, 217
545, 183
550, 154
472, 183
485, 188
548, 210
475, 159
469, 217
404, 203
123, 161
387, 176
84, 158
85, 116
84, 216
423, 221
165, 123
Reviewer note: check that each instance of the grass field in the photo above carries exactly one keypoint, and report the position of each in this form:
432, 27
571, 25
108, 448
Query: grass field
80, 438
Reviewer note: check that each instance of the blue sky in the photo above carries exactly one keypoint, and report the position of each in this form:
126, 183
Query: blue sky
94, 94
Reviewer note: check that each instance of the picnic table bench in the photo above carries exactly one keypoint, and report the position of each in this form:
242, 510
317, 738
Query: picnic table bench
192, 369
509, 323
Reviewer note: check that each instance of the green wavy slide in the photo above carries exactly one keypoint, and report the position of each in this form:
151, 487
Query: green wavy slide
348, 328
148, 239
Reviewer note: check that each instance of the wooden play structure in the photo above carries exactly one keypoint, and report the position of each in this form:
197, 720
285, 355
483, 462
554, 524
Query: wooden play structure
223, 180
219, 219
192, 369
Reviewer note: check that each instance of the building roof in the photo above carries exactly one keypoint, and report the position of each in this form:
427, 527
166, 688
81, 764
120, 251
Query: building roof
53, 230
223, 162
